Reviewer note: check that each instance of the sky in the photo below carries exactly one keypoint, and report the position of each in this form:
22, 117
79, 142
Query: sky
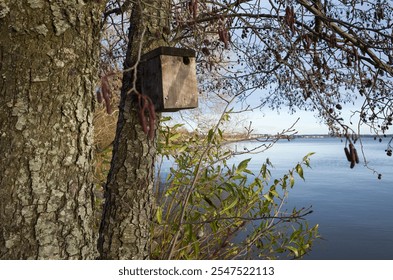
267, 121
271, 122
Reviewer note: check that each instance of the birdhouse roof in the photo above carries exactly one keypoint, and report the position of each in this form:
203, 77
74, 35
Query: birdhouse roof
170, 51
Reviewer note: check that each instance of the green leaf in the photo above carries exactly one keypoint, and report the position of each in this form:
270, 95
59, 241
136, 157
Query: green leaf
180, 149
159, 215
242, 165
226, 117
238, 177
284, 182
196, 249
274, 193
178, 125
268, 197
291, 180
306, 159
233, 204
210, 135
265, 172
258, 183
299, 170
214, 226
293, 250
295, 235
174, 136
208, 200
230, 187
188, 231
165, 119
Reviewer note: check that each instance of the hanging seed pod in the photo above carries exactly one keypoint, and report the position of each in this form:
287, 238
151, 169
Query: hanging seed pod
356, 156
347, 154
152, 120
141, 113
106, 92
352, 153
108, 107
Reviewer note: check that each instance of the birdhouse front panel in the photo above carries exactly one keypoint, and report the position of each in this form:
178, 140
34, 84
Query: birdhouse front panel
169, 79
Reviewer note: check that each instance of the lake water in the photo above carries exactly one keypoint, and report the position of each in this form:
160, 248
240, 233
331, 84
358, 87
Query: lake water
353, 208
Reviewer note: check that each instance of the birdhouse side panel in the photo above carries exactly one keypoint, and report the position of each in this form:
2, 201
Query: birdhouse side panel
152, 82
179, 83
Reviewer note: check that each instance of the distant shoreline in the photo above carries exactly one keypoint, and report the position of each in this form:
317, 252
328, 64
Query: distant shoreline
334, 136
265, 137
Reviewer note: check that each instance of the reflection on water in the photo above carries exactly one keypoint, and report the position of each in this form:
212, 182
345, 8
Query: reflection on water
353, 208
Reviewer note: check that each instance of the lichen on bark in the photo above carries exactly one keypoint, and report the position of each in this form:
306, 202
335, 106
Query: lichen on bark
36, 4
4, 9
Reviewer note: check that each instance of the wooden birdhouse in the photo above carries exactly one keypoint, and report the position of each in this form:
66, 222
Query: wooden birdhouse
169, 78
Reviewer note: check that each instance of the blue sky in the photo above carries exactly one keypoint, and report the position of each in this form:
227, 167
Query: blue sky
265, 120
268, 121
271, 122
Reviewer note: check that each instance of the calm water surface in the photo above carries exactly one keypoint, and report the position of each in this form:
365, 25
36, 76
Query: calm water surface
353, 208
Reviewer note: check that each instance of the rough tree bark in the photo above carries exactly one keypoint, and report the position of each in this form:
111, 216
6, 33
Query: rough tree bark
49, 53
126, 222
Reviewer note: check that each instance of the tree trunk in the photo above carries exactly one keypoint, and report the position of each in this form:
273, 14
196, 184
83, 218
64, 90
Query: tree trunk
49, 52
126, 222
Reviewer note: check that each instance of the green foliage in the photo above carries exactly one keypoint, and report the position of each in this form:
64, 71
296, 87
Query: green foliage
211, 209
